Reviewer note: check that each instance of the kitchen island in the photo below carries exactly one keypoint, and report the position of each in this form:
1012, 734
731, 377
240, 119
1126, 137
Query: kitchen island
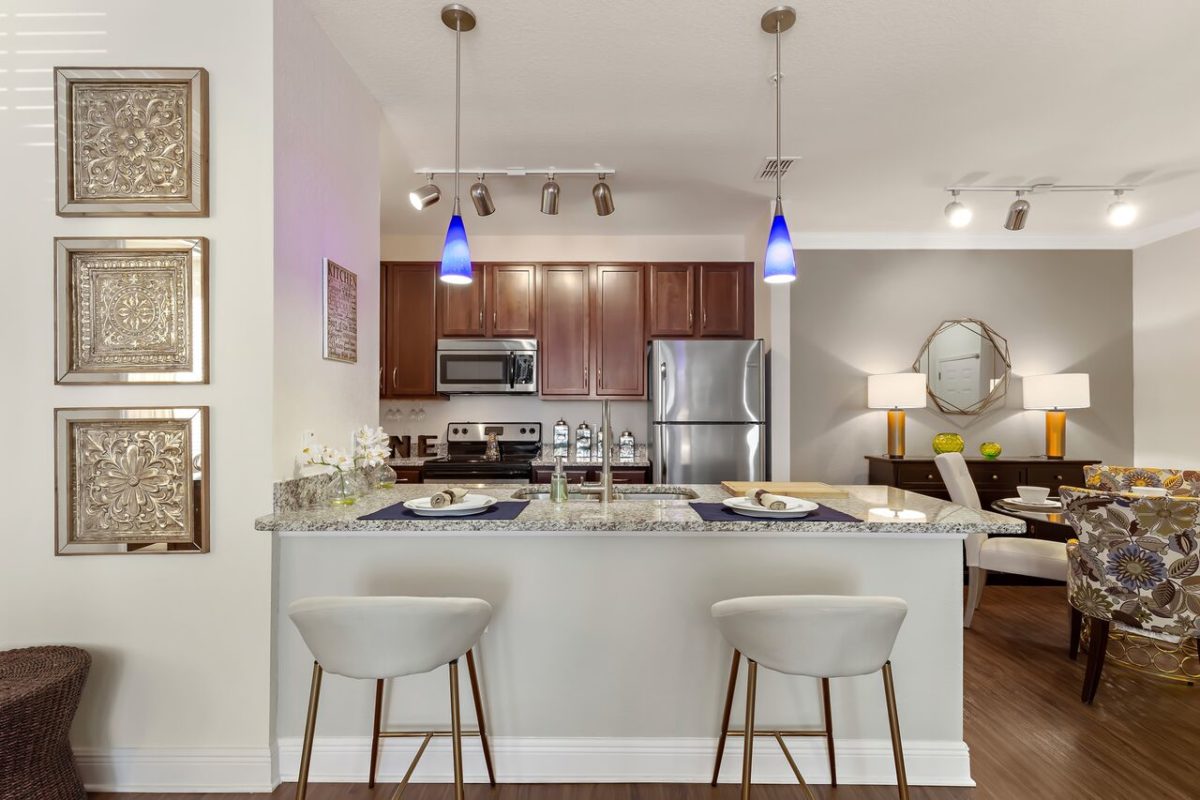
602, 663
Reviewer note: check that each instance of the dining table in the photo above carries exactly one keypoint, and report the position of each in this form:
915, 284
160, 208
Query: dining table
1051, 525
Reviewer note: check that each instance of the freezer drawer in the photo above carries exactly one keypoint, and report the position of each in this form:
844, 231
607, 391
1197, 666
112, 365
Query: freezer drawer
698, 453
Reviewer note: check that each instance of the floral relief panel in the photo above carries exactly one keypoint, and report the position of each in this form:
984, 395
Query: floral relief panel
131, 141
131, 480
131, 311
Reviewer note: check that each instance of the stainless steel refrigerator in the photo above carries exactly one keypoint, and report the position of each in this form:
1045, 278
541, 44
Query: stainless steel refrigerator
708, 410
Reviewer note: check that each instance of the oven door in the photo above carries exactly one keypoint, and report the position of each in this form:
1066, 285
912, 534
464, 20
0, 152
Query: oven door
495, 366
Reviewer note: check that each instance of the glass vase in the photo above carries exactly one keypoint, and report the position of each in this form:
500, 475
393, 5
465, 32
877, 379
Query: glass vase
381, 477
341, 491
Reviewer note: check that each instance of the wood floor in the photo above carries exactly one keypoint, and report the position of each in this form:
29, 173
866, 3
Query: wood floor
1030, 737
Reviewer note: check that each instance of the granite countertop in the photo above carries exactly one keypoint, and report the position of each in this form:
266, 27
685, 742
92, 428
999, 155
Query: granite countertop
546, 459
923, 517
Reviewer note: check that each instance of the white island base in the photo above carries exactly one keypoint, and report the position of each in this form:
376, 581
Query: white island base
602, 663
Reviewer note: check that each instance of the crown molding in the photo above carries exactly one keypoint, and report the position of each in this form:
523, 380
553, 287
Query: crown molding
1165, 230
958, 241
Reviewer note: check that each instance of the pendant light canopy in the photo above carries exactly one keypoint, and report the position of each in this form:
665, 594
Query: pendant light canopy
456, 254
779, 264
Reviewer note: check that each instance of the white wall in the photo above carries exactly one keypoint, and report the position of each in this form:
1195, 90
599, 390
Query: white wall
1166, 351
181, 643
854, 313
327, 129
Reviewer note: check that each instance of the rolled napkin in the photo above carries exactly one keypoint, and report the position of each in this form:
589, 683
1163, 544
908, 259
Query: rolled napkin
761, 497
448, 497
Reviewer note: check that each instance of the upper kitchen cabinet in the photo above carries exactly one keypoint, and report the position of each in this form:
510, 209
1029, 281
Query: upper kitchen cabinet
711, 300
619, 330
408, 330
461, 307
511, 308
564, 350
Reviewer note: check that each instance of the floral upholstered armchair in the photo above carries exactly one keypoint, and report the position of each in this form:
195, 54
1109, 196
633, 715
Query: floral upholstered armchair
1177, 482
1135, 564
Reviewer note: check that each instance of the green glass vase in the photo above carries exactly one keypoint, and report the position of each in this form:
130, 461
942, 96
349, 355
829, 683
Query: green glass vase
948, 443
990, 450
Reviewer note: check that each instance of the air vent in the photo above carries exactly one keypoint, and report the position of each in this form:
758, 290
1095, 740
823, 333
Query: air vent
770, 166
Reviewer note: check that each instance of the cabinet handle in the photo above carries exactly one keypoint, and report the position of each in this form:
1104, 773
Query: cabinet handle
493, 320
689, 318
394, 377
481, 318
585, 377
706, 317
995, 477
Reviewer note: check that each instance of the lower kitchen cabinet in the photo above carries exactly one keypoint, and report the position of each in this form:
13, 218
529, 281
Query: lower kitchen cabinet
408, 330
408, 474
627, 475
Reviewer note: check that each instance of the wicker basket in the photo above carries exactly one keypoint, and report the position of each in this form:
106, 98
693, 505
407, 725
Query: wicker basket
39, 693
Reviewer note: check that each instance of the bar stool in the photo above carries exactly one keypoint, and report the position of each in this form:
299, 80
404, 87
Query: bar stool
377, 638
819, 636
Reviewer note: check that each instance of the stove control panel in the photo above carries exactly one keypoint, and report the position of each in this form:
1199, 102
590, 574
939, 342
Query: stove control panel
527, 432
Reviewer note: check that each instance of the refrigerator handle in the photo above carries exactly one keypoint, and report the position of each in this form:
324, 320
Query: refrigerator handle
662, 390
659, 450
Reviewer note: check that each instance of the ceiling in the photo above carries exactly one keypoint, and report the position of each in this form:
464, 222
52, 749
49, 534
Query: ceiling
886, 103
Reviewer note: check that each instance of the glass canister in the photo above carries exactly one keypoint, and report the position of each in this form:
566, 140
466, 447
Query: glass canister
562, 439
628, 446
583, 442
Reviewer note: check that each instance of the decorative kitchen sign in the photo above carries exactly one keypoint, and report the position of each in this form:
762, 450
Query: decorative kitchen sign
131, 142
131, 480
131, 310
341, 313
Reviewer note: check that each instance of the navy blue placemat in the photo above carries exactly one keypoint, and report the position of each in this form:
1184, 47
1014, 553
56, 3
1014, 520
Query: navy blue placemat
718, 512
501, 511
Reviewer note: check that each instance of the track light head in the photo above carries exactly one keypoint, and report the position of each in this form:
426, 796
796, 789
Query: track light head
482, 198
1018, 213
957, 213
550, 193
1121, 212
426, 196
602, 194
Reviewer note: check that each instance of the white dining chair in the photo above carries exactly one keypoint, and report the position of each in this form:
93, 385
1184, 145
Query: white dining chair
1016, 555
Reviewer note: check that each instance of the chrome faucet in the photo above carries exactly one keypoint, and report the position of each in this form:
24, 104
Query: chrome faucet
604, 489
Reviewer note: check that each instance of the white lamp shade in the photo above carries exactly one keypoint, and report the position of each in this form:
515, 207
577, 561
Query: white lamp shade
1062, 391
901, 390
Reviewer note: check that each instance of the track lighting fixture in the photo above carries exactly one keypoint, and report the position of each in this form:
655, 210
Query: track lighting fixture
1121, 212
958, 214
779, 263
602, 194
1018, 212
426, 196
550, 193
482, 198
456, 254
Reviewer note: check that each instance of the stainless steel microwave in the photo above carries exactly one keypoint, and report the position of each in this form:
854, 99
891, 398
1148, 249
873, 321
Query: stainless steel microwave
487, 366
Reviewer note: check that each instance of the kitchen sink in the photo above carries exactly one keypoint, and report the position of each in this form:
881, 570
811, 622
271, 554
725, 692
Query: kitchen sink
639, 493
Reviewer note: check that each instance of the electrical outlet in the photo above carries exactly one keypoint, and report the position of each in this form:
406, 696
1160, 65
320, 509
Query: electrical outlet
307, 438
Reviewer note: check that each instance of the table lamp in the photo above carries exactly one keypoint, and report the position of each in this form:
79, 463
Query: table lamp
895, 393
1054, 394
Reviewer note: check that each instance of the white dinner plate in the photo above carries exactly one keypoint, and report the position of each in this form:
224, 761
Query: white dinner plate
471, 504
746, 507
1047, 505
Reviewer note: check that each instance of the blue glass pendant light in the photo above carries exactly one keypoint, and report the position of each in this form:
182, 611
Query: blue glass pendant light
779, 264
456, 254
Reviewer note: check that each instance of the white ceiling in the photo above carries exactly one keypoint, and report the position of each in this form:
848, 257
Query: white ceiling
887, 102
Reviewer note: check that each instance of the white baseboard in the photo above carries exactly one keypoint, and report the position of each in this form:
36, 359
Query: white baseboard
176, 769
620, 760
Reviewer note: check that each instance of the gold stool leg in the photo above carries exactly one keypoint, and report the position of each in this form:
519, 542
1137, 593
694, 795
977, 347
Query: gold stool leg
829, 731
310, 725
748, 738
456, 731
733, 671
897, 749
375, 732
483, 738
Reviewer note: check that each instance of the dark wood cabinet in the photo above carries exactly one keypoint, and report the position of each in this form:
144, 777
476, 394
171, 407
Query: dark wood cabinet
564, 350
710, 300
619, 330
621, 475
672, 301
511, 308
408, 474
408, 330
460, 307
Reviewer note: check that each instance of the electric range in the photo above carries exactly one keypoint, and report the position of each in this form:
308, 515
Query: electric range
466, 458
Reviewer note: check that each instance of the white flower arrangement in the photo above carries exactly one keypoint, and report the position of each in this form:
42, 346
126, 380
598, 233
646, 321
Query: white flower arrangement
371, 446
316, 455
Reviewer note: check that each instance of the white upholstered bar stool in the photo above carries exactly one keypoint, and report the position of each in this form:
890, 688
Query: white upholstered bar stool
820, 636
376, 638
1016, 555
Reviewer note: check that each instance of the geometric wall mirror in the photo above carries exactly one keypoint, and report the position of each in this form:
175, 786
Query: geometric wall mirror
967, 366
131, 310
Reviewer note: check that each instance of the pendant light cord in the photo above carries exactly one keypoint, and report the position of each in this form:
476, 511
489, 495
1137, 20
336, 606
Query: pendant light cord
778, 123
457, 103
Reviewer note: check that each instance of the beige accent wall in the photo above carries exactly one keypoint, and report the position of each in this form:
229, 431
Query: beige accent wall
854, 313
1166, 348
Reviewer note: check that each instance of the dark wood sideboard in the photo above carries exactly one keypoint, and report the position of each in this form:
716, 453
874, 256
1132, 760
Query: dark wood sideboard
994, 479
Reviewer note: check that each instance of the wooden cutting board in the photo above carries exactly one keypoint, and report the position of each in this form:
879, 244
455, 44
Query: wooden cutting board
806, 489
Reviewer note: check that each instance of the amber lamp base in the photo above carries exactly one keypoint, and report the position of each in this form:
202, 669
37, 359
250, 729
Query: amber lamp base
895, 433
1056, 434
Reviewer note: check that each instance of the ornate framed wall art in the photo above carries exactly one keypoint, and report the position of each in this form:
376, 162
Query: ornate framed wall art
131, 310
340, 317
131, 142
131, 480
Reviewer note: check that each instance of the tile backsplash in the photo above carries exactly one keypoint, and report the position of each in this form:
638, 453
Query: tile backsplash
432, 417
